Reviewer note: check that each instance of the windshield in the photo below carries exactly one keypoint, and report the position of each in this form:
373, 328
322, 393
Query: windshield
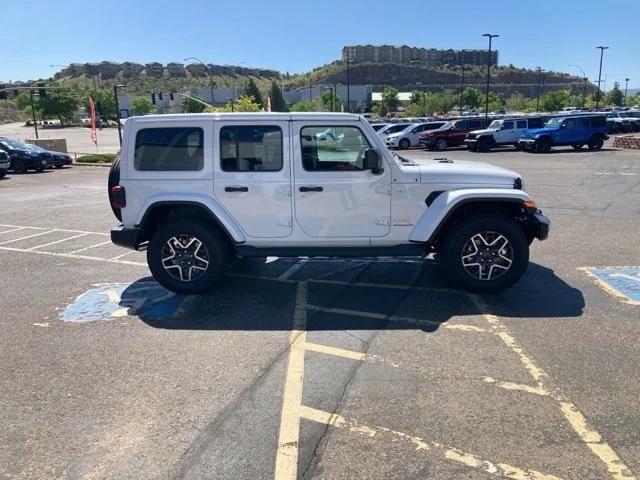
632, 114
398, 127
12, 144
446, 126
35, 147
378, 126
495, 125
554, 122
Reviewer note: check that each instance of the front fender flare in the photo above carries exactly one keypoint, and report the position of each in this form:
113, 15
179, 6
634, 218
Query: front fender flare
447, 202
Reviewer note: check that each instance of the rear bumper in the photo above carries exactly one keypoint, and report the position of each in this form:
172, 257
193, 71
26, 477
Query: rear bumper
125, 237
540, 225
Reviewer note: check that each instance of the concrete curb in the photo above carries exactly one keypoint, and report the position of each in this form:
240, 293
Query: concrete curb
83, 164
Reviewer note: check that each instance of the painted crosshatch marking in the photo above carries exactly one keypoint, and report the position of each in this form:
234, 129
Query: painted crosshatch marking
622, 282
112, 300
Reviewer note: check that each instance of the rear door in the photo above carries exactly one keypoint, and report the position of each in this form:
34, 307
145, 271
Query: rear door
334, 196
506, 132
252, 175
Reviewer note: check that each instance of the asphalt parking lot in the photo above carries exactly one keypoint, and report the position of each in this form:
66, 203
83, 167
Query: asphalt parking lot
361, 368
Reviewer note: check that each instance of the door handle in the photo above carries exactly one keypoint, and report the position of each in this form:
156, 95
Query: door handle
311, 188
236, 188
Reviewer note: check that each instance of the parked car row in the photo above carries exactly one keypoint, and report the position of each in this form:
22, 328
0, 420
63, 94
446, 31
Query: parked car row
21, 157
537, 133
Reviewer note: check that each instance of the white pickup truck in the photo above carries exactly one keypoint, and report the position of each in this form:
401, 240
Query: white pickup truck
198, 190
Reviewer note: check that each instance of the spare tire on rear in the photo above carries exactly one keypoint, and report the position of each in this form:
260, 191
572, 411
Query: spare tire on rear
113, 180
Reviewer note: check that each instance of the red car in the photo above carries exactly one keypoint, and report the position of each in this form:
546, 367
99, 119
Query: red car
452, 133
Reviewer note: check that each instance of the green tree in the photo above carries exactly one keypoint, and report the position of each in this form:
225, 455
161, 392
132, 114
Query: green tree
278, 103
60, 102
615, 96
518, 103
496, 101
390, 98
556, 100
308, 106
142, 106
192, 105
331, 102
244, 103
379, 109
252, 90
105, 102
472, 97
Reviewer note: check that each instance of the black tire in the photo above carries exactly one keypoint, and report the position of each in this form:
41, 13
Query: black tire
485, 145
39, 169
19, 166
542, 145
216, 250
458, 238
112, 181
57, 164
595, 143
441, 144
404, 144
517, 146
3, 173
577, 146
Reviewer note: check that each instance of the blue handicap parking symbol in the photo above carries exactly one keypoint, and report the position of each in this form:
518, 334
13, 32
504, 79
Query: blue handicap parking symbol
621, 281
112, 300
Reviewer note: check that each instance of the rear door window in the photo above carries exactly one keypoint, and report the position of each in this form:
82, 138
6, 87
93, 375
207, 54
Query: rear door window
251, 148
520, 124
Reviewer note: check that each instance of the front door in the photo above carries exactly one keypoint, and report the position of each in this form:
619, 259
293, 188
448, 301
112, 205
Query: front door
333, 195
252, 175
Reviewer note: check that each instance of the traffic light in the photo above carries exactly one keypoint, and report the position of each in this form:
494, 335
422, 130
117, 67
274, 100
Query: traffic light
160, 96
171, 96
153, 98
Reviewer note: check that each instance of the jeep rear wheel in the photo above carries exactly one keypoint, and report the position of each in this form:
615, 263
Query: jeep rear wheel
486, 253
441, 144
187, 255
595, 143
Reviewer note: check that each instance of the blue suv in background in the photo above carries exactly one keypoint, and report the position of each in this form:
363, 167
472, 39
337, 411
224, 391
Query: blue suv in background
575, 130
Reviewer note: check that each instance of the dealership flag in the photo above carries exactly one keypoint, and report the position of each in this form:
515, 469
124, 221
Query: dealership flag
92, 117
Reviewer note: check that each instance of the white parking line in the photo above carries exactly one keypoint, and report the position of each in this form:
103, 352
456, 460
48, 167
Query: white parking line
28, 236
297, 266
59, 241
118, 257
89, 247
69, 255
13, 230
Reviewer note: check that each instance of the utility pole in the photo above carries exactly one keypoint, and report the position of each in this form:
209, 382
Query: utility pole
309, 87
602, 49
348, 82
626, 84
33, 112
115, 95
540, 80
486, 103
462, 89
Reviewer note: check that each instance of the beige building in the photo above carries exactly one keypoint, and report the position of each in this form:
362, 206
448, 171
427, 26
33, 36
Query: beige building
424, 56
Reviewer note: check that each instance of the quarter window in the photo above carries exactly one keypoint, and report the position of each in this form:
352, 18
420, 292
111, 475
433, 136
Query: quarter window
251, 148
169, 149
333, 148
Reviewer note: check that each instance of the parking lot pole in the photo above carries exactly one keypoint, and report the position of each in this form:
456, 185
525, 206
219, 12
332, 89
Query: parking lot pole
115, 94
486, 103
602, 49
540, 80
626, 84
462, 89
584, 92
33, 113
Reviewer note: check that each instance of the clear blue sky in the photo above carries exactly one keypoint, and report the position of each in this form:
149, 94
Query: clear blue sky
295, 36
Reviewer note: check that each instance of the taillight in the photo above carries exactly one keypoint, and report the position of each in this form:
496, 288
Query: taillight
118, 197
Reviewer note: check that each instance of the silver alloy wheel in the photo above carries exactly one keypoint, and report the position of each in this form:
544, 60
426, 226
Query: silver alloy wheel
487, 255
185, 257
441, 144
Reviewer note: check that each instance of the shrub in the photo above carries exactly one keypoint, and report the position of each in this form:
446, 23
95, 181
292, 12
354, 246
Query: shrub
97, 158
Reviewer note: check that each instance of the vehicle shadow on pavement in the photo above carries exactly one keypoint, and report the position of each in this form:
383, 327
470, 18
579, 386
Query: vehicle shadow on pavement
252, 302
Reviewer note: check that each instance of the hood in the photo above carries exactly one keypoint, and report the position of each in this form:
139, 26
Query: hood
537, 131
463, 172
483, 131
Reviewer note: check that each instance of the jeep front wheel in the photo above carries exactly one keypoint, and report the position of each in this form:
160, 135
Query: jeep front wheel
542, 145
188, 255
486, 253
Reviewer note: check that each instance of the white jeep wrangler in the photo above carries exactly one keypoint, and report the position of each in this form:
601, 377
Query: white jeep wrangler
504, 131
198, 190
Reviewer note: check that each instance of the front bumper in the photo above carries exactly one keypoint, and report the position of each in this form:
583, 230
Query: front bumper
540, 225
471, 142
125, 237
526, 143
392, 142
4, 165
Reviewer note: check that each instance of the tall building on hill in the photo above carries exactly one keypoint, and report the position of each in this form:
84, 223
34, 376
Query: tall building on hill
423, 56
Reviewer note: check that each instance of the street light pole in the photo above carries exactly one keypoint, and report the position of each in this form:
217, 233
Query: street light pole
602, 49
33, 113
115, 95
626, 84
540, 80
348, 82
462, 89
486, 103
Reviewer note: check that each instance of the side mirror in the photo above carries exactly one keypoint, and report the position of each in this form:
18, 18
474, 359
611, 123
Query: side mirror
373, 161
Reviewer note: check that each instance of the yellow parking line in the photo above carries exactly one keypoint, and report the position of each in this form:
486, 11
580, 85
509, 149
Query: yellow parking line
575, 418
418, 443
516, 386
339, 352
287, 455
